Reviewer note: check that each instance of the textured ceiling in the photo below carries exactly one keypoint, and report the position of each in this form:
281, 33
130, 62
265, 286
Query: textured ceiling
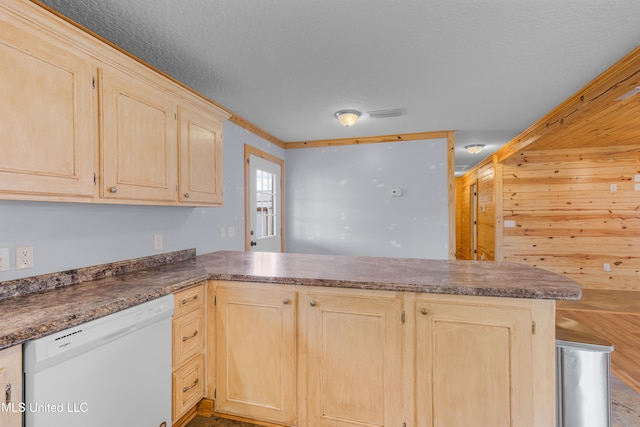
487, 69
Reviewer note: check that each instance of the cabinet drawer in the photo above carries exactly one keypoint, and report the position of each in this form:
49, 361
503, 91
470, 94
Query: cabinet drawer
188, 336
188, 300
188, 386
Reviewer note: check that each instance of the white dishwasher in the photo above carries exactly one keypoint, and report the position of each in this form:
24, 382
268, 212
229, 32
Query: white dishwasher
112, 371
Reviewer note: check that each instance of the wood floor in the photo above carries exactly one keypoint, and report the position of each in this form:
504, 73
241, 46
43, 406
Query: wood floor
614, 316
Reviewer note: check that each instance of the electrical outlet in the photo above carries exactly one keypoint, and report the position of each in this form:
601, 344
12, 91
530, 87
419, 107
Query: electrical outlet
232, 231
24, 257
223, 232
607, 267
4, 259
157, 242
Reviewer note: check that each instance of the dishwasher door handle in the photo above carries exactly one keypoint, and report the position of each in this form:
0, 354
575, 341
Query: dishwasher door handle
117, 334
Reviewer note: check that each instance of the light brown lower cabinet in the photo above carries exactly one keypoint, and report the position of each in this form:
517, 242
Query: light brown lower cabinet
350, 353
11, 386
256, 352
189, 375
314, 356
484, 361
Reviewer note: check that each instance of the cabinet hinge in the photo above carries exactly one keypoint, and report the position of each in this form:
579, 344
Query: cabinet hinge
533, 327
215, 300
215, 392
93, 82
402, 317
95, 179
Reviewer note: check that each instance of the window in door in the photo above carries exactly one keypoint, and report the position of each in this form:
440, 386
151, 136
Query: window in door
266, 194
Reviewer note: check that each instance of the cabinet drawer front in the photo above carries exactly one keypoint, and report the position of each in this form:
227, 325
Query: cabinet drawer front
188, 336
188, 386
188, 300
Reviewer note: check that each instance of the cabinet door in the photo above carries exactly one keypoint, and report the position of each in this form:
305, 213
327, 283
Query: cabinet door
11, 386
139, 140
256, 359
48, 126
353, 360
473, 365
200, 147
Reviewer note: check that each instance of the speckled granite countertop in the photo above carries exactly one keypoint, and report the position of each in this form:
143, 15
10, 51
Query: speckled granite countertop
41, 305
481, 278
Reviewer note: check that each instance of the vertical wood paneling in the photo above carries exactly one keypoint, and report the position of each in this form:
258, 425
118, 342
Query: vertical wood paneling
486, 213
484, 176
463, 209
574, 211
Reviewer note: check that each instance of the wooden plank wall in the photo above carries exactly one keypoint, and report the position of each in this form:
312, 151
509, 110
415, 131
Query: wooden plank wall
463, 229
486, 213
569, 220
483, 176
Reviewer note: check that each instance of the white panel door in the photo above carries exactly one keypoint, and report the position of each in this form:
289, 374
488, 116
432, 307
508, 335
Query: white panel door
265, 211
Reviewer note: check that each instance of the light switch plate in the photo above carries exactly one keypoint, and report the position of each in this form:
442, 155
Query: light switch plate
509, 223
157, 242
4, 259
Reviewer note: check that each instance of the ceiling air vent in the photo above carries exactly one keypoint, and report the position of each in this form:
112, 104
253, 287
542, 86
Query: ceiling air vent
383, 114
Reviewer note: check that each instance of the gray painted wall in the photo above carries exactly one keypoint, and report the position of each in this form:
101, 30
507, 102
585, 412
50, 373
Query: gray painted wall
71, 235
338, 200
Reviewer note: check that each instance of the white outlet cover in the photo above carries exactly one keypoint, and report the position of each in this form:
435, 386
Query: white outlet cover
232, 231
509, 223
24, 257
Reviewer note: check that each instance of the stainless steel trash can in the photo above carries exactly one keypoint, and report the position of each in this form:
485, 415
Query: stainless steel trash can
583, 366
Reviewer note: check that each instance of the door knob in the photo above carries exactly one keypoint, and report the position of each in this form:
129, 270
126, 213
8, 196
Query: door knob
253, 243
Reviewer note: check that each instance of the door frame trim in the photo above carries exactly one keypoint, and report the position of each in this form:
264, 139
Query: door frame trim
248, 151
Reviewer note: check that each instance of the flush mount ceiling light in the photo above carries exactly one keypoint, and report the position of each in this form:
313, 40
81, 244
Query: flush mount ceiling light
347, 117
474, 148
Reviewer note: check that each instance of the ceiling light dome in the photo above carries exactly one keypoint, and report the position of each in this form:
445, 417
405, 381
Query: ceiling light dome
474, 148
347, 117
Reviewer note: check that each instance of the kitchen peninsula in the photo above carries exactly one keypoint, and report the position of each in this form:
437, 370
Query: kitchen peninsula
296, 339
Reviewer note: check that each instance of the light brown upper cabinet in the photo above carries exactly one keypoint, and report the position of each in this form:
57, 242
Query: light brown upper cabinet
139, 145
200, 152
83, 121
48, 127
